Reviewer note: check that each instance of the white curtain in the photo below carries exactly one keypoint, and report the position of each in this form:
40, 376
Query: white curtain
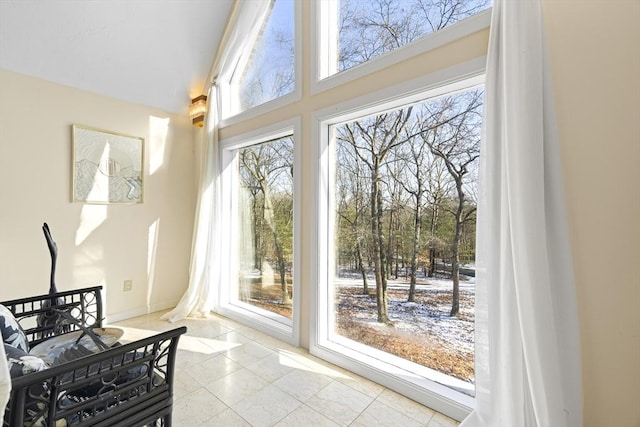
200, 296
243, 27
527, 335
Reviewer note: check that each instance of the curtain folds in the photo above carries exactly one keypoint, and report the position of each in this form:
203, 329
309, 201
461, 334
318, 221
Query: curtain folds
527, 334
244, 25
200, 296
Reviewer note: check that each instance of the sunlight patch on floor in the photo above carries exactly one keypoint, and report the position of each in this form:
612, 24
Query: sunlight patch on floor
302, 362
187, 343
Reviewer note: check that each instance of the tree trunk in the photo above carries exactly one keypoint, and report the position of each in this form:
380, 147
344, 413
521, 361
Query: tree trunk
432, 250
455, 256
396, 256
268, 217
378, 247
414, 251
363, 272
389, 251
257, 227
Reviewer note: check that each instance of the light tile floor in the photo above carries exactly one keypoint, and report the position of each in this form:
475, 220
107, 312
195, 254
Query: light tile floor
230, 375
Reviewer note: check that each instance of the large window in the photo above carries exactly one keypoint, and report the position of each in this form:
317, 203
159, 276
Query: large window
260, 196
265, 215
405, 231
399, 290
378, 175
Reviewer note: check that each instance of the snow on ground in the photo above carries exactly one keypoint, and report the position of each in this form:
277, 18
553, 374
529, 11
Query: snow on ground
427, 317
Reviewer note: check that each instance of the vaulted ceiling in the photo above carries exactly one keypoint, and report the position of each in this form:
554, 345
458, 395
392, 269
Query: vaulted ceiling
150, 52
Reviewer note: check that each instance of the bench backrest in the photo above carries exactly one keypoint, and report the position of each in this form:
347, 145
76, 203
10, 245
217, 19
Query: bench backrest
39, 321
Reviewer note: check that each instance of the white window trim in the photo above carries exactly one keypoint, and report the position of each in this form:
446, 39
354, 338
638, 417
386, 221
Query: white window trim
287, 330
430, 393
276, 103
323, 50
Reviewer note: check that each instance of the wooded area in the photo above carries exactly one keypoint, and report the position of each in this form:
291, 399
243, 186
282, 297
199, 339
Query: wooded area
406, 191
403, 181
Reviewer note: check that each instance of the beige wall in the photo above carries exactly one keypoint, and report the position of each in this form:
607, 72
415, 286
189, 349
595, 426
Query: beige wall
98, 244
595, 60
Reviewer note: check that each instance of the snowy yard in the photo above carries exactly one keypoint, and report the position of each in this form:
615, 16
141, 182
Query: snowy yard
420, 331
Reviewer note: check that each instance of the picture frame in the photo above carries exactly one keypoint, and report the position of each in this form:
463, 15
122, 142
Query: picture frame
108, 167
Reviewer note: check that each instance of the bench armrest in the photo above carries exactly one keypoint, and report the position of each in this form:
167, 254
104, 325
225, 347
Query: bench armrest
127, 385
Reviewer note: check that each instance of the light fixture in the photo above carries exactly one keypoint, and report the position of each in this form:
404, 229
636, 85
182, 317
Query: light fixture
197, 110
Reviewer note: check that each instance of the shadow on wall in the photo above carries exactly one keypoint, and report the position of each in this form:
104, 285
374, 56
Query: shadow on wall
91, 263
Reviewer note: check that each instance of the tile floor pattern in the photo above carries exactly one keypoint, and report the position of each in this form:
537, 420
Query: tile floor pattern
230, 375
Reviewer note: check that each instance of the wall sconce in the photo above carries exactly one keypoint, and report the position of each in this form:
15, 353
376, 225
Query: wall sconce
197, 110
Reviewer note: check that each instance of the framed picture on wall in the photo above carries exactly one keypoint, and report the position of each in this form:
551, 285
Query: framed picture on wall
107, 166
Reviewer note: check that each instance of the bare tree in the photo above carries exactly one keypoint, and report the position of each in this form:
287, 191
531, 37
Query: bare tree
394, 203
264, 164
369, 29
457, 143
352, 202
372, 28
438, 188
373, 139
411, 176
442, 13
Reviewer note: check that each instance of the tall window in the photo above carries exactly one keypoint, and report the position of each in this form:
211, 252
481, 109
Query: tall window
259, 217
401, 289
267, 72
265, 215
379, 169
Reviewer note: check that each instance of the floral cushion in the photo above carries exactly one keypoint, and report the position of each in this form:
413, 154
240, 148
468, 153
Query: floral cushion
12, 332
22, 363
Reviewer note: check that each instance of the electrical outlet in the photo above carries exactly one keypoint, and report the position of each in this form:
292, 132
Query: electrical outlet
128, 285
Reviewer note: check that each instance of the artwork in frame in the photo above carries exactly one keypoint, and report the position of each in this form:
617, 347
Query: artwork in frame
107, 166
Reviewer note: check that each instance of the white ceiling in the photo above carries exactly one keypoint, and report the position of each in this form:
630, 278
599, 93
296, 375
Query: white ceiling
150, 52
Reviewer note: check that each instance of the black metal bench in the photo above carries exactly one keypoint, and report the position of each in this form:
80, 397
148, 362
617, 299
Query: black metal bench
126, 385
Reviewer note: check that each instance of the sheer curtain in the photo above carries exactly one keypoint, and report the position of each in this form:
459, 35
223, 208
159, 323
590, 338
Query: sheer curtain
200, 296
244, 25
527, 342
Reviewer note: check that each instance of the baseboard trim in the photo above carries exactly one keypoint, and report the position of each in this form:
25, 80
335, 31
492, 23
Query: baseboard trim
135, 312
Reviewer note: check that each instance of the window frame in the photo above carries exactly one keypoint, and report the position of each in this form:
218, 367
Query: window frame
287, 330
323, 50
426, 391
230, 118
